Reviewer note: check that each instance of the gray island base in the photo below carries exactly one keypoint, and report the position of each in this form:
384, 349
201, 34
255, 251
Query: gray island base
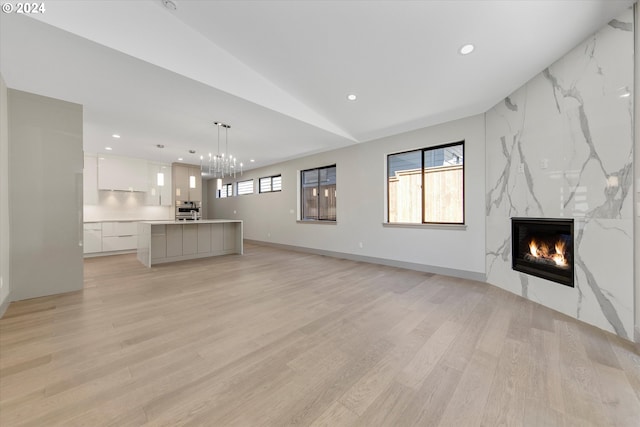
168, 241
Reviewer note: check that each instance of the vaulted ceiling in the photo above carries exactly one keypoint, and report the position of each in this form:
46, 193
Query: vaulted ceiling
279, 72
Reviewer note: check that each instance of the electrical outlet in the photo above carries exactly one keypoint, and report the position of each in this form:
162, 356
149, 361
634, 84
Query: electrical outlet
235, 212
1, 282
360, 244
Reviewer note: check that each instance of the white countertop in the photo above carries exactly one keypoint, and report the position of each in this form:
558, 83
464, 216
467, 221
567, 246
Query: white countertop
200, 221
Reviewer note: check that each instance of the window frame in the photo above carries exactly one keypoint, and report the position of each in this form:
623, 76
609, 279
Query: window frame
302, 198
241, 182
271, 190
422, 183
228, 191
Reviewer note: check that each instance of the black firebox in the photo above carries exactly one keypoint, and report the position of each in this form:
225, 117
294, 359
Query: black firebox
543, 247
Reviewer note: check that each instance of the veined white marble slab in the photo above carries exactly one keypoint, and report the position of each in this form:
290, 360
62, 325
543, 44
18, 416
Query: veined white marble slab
562, 147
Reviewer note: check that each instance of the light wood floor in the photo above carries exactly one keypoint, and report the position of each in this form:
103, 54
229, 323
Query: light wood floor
282, 338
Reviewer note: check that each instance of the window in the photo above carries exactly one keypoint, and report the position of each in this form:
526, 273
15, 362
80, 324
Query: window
319, 193
427, 185
245, 187
226, 190
269, 184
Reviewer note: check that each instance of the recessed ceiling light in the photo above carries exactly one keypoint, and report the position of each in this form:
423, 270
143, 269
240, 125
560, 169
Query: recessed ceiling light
252, 160
466, 49
352, 97
180, 159
108, 148
115, 135
625, 95
169, 4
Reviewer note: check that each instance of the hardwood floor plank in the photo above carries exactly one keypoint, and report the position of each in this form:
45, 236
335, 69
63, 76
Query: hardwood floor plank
336, 415
598, 348
430, 401
539, 414
459, 354
426, 358
39, 409
314, 401
629, 361
388, 408
506, 400
617, 396
278, 338
580, 389
469, 399
374, 382
493, 337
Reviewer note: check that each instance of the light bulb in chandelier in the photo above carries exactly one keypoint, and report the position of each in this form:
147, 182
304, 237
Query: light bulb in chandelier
222, 164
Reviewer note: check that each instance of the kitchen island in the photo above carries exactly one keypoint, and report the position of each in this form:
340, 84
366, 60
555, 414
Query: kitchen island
168, 241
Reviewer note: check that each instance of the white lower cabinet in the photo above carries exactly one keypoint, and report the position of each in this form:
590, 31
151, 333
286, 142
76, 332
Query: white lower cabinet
229, 240
204, 238
159, 241
110, 236
92, 237
189, 240
171, 241
174, 241
217, 237
119, 243
112, 229
119, 236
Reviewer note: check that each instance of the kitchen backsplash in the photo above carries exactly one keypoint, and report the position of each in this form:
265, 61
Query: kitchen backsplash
124, 205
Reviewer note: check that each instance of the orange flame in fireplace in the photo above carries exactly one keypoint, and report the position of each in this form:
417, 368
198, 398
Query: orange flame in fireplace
558, 257
541, 250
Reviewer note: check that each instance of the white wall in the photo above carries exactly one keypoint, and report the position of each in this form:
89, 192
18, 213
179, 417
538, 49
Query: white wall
5, 285
361, 205
45, 196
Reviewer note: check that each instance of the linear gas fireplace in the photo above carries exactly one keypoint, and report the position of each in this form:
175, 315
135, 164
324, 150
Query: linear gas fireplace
543, 247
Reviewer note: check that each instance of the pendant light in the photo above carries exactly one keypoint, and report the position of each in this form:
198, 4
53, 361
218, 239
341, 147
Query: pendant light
222, 164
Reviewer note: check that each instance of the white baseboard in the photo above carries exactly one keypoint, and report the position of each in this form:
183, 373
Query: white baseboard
5, 305
463, 274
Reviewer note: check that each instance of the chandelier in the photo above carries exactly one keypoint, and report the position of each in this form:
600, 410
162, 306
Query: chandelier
221, 164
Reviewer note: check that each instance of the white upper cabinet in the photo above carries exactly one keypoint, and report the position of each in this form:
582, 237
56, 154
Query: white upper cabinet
195, 184
159, 184
187, 182
122, 173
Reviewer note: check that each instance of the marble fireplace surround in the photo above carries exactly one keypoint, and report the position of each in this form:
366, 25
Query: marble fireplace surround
562, 146
543, 247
